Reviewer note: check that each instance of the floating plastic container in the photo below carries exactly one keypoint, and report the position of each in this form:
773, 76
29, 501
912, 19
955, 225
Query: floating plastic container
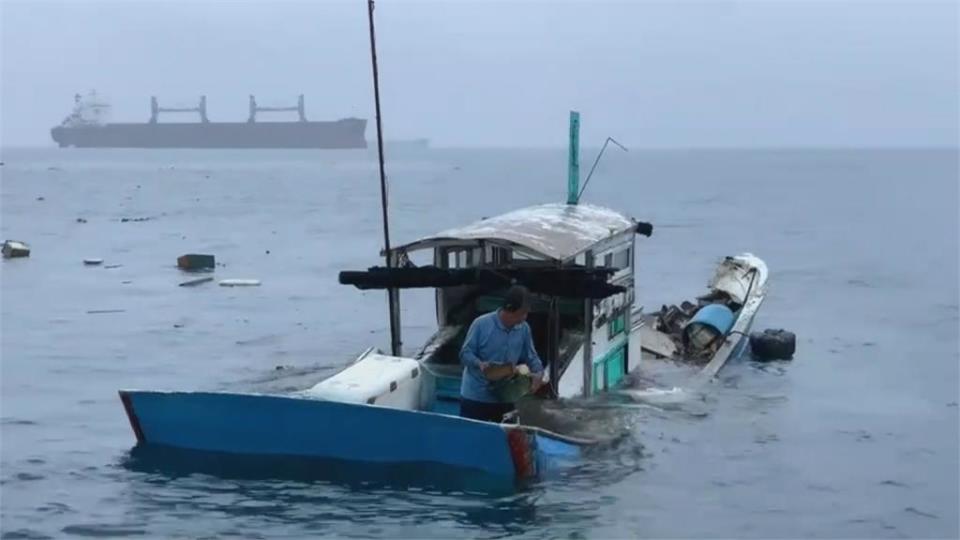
13, 249
193, 261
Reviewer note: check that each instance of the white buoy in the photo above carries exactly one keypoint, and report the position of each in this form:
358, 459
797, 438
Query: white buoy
239, 282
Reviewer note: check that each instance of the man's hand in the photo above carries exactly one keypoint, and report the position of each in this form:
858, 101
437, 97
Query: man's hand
536, 381
495, 372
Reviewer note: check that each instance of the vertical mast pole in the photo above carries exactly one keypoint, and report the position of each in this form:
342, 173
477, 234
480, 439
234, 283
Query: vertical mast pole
392, 296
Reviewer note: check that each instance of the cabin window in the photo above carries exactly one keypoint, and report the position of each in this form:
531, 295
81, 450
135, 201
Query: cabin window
498, 256
621, 259
463, 258
608, 260
521, 256
617, 324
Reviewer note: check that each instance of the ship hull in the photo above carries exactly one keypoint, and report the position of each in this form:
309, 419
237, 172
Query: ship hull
346, 133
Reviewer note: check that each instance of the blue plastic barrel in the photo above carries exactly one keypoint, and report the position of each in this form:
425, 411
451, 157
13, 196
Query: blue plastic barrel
716, 319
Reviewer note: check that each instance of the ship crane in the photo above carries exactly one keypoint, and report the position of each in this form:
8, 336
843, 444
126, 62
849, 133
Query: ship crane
156, 109
298, 108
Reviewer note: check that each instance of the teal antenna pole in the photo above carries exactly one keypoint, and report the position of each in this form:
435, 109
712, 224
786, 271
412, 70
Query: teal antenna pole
573, 170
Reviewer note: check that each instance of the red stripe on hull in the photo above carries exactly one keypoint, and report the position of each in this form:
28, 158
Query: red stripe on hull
522, 453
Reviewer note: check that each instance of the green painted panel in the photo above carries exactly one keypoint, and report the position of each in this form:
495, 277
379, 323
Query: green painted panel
617, 325
610, 368
615, 367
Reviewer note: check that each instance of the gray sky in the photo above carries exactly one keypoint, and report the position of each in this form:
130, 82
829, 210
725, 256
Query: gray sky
498, 73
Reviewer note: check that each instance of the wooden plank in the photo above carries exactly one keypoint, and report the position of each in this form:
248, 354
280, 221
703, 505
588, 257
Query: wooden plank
198, 281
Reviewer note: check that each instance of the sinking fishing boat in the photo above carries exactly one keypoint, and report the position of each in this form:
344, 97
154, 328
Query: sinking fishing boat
577, 261
402, 407
715, 327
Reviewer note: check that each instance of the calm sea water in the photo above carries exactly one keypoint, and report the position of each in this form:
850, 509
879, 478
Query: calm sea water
857, 437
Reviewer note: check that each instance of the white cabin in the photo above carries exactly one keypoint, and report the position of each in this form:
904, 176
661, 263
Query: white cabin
581, 332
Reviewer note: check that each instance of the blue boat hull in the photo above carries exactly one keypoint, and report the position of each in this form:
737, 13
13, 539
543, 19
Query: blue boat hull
251, 424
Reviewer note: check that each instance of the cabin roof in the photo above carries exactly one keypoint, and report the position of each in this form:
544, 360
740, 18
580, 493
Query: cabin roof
556, 231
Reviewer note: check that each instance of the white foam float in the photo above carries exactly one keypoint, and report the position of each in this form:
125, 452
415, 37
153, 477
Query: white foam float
239, 282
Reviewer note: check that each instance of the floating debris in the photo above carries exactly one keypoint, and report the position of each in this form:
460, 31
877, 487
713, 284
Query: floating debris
93, 262
81, 220
269, 338
193, 261
99, 311
240, 283
893, 483
110, 266
197, 281
135, 220
41, 199
14, 248
913, 510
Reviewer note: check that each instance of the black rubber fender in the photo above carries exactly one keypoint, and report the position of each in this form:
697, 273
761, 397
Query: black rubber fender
644, 228
773, 344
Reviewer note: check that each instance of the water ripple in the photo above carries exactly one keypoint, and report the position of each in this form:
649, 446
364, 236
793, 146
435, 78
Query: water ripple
104, 530
24, 534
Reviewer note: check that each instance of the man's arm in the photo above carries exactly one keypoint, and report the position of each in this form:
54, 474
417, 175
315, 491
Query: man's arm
471, 347
530, 357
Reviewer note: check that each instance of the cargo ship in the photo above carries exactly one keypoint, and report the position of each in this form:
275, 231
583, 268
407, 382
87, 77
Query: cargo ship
84, 128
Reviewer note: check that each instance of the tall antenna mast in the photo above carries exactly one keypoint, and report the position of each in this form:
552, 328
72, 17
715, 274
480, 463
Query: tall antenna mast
573, 161
392, 293
597, 161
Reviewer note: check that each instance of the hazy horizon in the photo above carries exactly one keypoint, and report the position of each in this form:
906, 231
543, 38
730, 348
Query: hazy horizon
711, 74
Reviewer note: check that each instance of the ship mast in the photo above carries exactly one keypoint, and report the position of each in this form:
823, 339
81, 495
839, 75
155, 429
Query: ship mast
393, 295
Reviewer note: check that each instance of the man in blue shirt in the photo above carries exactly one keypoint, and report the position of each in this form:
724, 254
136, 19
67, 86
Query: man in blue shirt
495, 345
